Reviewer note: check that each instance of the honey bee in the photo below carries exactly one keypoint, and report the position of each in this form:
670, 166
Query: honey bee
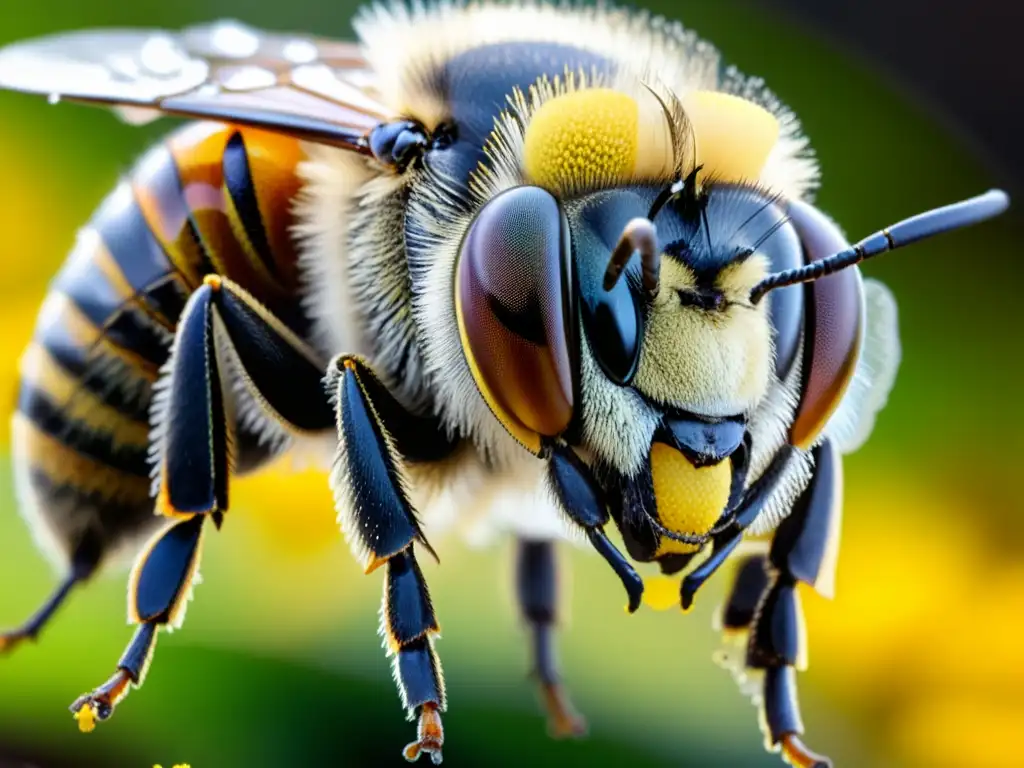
557, 267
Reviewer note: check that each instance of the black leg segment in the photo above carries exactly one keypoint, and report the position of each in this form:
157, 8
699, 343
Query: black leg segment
380, 524
750, 584
287, 374
379, 519
10, 639
537, 593
83, 564
582, 500
764, 604
222, 333
157, 592
164, 573
194, 447
409, 624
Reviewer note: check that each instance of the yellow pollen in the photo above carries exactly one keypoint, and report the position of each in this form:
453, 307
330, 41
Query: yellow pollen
661, 593
582, 139
734, 136
86, 718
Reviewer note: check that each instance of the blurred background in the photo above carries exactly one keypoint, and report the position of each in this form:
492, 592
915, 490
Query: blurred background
917, 662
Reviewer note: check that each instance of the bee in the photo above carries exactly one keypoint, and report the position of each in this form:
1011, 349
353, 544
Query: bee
554, 267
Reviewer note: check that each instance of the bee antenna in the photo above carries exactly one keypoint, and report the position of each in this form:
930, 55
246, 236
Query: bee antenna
638, 235
946, 219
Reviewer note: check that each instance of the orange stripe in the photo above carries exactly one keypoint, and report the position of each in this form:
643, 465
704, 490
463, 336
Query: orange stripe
273, 163
198, 151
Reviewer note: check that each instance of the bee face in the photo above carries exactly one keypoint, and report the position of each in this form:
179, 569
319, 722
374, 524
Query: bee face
706, 349
699, 344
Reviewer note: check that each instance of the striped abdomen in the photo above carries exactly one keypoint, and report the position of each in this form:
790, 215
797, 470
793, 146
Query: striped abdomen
210, 199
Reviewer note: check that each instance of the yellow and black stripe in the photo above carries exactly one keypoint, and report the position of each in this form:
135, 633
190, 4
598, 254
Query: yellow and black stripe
210, 199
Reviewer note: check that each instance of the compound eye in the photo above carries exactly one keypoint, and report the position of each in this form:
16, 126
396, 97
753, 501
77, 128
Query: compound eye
613, 322
514, 306
834, 326
785, 305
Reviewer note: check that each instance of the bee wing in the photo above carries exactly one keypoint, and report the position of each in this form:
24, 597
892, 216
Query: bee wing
873, 378
316, 89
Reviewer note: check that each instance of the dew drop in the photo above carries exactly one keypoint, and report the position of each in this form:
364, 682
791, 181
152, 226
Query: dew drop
161, 56
234, 40
53, 98
300, 52
246, 78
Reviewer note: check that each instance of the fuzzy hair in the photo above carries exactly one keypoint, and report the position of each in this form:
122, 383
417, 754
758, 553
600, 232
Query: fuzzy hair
430, 34
344, 250
381, 287
769, 425
323, 210
667, 152
714, 364
57, 522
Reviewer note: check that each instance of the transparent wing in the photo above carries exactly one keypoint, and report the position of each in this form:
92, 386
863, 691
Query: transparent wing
316, 89
873, 378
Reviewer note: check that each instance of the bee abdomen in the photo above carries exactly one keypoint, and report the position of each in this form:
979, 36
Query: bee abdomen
210, 199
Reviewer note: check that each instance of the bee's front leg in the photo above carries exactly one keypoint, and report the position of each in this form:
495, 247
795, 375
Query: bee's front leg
582, 499
763, 609
381, 526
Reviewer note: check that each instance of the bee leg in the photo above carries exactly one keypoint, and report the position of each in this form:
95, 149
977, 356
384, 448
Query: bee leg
582, 500
195, 420
83, 564
536, 589
726, 541
803, 549
381, 525
737, 611
158, 590
194, 464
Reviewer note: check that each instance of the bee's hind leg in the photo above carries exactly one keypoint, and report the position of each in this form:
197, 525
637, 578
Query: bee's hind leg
537, 593
194, 464
763, 611
83, 565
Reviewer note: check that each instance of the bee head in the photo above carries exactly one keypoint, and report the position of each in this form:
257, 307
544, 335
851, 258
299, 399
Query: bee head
665, 279
585, 219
